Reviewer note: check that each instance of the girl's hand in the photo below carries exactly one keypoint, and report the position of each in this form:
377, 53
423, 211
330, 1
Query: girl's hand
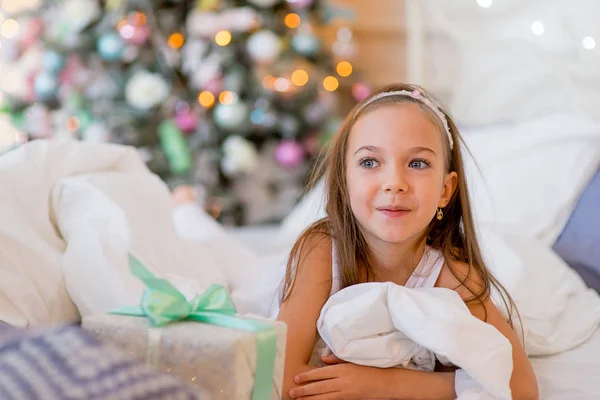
340, 381
332, 360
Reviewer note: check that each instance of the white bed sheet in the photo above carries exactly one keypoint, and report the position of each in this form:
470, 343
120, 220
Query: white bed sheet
572, 375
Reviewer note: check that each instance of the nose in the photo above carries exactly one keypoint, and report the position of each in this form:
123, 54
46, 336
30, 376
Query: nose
394, 183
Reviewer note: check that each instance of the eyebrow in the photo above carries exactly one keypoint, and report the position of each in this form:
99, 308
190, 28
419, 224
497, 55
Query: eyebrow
420, 149
370, 148
413, 150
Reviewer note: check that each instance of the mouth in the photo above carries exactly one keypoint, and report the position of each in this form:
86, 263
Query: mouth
393, 211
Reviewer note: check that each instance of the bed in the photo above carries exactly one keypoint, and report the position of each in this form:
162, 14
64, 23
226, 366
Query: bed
570, 375
499, 66
533, 96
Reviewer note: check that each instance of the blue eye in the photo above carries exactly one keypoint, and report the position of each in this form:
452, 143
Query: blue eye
419, 164
368, 163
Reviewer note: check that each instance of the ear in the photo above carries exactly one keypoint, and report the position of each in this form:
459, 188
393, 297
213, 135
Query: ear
450, 184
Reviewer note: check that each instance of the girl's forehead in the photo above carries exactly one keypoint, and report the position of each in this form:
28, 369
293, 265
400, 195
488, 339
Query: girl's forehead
396, 124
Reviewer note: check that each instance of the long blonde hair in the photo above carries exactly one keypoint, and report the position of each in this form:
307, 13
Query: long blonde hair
454, 236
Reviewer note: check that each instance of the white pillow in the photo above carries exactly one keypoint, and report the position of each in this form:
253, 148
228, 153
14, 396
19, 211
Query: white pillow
531, 174
558, 310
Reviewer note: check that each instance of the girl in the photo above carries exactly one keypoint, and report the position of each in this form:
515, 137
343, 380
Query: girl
396, 194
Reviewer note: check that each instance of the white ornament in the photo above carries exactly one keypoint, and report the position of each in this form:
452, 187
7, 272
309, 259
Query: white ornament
14, 81
193, 54
306, 43
206, 24
78, 14
264, 46
264, 3
202, 23
206, 71
231, 116
37, 120
102, 87
239, 156
31, 60
239, 19
145, 90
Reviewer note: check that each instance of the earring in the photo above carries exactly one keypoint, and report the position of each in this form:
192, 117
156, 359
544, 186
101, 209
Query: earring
440, 214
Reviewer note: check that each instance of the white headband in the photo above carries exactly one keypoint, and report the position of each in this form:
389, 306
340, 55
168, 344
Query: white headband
415, 94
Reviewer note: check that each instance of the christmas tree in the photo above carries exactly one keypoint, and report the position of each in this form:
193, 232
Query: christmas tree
233, 97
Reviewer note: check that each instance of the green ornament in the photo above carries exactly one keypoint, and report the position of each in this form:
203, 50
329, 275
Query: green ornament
75, 100
113, 5
85, 119
175, 147
18, 120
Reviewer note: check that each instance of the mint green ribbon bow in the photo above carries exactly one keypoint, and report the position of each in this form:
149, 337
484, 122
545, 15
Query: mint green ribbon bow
163, 304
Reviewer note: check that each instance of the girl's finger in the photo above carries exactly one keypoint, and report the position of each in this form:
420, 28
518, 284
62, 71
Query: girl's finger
326, 396
315, 388
332, 359
317, 374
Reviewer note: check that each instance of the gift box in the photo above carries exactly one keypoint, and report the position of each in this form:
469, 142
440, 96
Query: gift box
220, 362
62, 362
201, 340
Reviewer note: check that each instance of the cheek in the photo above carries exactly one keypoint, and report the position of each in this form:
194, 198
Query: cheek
361, 188
429, 193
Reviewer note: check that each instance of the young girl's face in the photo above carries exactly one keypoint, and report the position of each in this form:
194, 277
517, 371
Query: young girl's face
396, 172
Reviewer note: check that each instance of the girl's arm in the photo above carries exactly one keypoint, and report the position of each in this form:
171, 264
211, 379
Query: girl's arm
301, 310
349, 381
523, 382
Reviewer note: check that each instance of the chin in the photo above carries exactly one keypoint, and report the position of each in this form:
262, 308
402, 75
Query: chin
392, 232
393, 237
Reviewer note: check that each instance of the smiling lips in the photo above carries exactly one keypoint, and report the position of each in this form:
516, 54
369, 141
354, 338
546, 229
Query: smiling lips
393, 211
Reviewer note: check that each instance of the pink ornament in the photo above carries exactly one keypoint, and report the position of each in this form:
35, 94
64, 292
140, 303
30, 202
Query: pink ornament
186, 121
140, 36
289, 154
214, 86
299, 4
182, 107
33, 30
72, 71
30, 93
134, 34
311, 144
360, 91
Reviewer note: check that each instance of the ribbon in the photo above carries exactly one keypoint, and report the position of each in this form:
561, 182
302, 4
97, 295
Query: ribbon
163, 304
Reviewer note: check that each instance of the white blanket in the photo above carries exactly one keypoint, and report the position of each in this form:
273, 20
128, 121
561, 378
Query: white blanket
386, 325
70, 214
